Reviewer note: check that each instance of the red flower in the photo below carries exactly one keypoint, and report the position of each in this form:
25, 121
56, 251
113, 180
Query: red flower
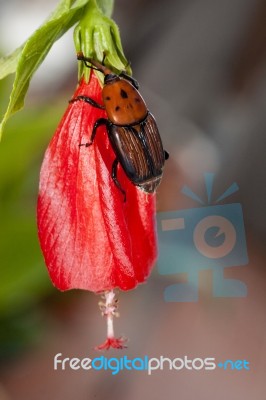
91, 239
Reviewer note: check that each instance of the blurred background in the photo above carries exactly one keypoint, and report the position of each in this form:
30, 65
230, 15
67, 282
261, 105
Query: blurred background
201, 65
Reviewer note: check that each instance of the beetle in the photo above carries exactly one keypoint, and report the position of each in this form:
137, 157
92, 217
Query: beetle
131, 128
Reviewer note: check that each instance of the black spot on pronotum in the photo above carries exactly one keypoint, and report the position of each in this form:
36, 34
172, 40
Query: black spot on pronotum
107, 98
137, 100
117, 108
123, 94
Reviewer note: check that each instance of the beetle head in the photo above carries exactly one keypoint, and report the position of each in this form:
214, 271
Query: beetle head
110, 78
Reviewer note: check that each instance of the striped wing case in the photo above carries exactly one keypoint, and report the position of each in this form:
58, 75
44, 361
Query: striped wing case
140, 152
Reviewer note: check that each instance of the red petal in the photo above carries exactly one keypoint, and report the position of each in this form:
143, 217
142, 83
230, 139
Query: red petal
91, 239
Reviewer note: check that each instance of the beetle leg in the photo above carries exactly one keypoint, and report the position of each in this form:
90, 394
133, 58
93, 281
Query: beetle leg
87, 100
166, 155
81, 57
104, 55
114, 177
99, 122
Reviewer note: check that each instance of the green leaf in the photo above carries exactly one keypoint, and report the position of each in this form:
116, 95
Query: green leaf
35, 50
9, 63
